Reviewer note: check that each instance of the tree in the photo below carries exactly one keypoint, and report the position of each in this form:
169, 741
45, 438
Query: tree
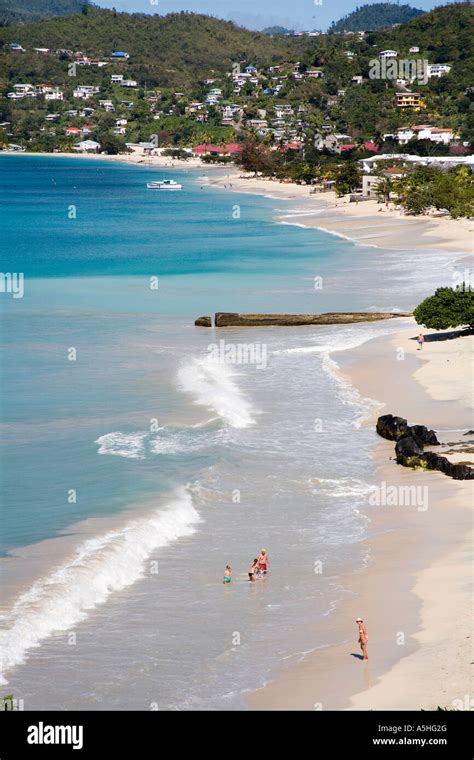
448, 307
384, 188
257, 158
347, 178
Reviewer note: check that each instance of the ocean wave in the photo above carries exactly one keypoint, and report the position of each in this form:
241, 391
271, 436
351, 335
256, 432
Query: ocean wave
129, 445
100, 566
214, 386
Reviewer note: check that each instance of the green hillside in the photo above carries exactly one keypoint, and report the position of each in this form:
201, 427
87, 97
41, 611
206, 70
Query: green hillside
180, 41
375, 17
182, 56
26, 11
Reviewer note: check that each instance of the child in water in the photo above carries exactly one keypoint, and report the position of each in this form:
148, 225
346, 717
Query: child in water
227, 574
253, 571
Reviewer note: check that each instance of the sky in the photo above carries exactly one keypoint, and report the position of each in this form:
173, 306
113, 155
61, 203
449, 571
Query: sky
257, 14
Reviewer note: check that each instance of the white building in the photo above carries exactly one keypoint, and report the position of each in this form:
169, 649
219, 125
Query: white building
437, 69
386, 54
414, 49
85, 91
87, 146
425, 132
54, 95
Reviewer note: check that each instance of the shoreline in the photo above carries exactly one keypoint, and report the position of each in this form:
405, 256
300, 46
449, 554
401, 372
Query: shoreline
419, 560
366, 223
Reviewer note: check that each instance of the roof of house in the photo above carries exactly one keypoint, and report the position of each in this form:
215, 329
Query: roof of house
234, 148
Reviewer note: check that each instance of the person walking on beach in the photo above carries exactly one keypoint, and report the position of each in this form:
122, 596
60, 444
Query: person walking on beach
253, 571
227, 574
263, 562
421, 340
363, 638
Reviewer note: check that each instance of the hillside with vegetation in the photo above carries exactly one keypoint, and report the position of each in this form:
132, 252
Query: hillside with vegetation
301, 105
375, 17
26, 11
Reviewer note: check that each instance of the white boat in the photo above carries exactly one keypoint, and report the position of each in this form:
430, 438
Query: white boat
164, 184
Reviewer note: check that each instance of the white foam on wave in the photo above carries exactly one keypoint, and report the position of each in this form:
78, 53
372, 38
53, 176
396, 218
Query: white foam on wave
342, 487
348, 393
214, 386
128, 445
100, 566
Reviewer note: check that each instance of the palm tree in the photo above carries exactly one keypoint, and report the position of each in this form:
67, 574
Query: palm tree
385, 188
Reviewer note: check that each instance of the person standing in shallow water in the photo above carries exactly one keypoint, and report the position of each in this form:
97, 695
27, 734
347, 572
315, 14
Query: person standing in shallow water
263, 562
363, 638
227, 574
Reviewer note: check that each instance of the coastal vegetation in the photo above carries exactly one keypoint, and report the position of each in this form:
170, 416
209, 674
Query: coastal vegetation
447, 308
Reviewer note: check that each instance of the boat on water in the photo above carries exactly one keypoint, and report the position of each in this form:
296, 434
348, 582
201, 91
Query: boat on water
164, 184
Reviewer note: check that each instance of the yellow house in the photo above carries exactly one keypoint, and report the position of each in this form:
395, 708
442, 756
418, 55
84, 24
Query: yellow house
409, 100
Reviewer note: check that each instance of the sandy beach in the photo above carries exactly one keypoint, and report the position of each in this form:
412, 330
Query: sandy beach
415, 593
366, 223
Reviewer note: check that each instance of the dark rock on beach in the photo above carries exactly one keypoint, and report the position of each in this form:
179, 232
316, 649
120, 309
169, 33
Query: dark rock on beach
409, 450
394, 428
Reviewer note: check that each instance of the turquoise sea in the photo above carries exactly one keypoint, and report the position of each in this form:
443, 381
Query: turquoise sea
134, 468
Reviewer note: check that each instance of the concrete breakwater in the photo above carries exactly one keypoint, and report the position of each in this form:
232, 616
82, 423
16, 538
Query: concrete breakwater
231, 319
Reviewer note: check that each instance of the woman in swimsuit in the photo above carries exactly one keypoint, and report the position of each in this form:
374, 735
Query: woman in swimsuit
363, 638
253, 571
263, 562
227, 574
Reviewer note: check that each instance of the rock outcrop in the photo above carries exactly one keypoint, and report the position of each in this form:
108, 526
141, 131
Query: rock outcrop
232, 319
409, 447
203, 322
394, 428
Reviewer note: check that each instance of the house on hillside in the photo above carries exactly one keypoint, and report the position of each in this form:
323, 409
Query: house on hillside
408, 100
119, 55
437, 69
54, 94
387, 54
85, 91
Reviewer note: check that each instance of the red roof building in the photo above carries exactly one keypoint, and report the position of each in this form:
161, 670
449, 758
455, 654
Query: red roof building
234, 148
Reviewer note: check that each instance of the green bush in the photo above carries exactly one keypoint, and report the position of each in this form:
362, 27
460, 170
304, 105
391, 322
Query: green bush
448, 307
